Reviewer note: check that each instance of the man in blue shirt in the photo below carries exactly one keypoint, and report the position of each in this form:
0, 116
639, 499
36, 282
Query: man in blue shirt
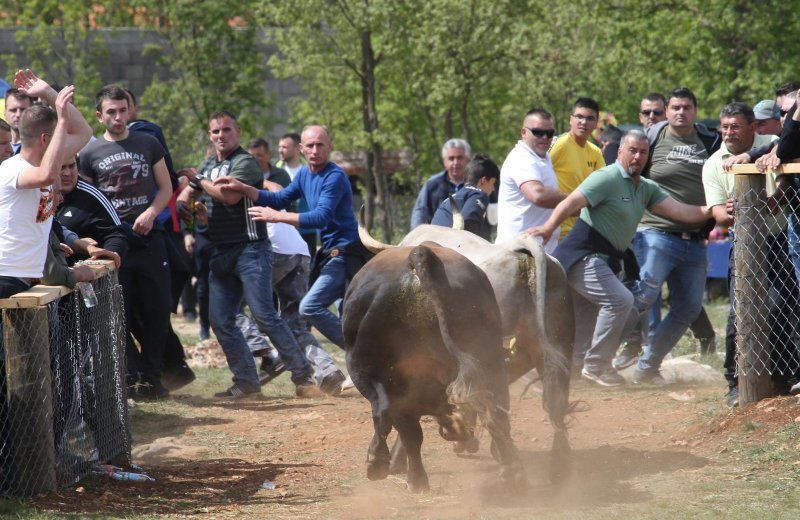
327, 189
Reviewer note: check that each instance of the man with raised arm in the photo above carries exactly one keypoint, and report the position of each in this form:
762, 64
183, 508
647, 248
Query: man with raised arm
27, 195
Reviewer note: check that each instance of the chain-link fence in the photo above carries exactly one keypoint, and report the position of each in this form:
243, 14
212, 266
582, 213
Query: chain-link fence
63, 404
764, 270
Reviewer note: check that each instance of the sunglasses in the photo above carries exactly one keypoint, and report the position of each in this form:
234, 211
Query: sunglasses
538, 132
654, 112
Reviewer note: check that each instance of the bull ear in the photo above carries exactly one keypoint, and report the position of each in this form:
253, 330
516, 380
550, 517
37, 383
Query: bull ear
458, 219
366, 239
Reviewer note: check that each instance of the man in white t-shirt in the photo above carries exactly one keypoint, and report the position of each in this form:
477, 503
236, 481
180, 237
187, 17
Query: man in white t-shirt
528, 184
27, 193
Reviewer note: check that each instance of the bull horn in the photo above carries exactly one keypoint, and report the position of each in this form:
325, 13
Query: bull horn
458, 219
366, 239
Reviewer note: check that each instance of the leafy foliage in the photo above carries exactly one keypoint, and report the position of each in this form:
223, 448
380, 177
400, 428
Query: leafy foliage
387, 75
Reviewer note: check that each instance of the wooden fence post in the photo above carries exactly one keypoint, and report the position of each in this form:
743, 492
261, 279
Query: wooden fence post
751, 285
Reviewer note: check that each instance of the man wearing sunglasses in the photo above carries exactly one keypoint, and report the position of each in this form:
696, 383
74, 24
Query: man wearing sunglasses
652, 109
528, 183
674, 251
574, 157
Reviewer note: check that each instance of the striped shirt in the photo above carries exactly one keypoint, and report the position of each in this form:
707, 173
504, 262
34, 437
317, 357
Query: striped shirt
230, 223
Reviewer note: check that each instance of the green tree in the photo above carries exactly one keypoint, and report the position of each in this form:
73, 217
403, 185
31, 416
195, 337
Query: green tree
215, 63
336, 50
59, 45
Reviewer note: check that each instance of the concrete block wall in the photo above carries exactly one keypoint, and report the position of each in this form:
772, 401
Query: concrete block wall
127, 63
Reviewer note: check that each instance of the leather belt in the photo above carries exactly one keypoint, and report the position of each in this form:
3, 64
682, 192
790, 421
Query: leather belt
685, 235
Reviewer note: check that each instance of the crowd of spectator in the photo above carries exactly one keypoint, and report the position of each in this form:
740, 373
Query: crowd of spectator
237, 236
636, 215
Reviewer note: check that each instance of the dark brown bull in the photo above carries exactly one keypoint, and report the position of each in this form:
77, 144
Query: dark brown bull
423, 334
536, 309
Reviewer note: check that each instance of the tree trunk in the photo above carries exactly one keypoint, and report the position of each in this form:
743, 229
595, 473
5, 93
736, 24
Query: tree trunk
379, 192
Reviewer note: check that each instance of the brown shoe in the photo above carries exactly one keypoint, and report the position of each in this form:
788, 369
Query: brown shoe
308, 391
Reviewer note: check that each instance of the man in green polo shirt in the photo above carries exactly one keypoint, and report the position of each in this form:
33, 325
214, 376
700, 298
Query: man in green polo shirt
611, 201
739, 132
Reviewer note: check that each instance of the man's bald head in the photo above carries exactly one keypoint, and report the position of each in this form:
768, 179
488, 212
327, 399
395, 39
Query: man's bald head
316, 145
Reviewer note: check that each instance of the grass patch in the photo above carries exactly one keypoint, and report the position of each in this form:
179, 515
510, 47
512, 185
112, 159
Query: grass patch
750, 426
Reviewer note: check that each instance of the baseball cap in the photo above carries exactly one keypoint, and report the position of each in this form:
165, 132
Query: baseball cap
766, 109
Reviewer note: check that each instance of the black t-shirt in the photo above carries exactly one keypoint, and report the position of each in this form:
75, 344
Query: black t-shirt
123, 170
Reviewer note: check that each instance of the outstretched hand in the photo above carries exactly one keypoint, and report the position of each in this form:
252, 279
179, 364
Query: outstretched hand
30, 84
264, 214
538, 232
230, 184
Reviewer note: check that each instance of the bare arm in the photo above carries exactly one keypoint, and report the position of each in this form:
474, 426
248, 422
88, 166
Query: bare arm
144, 222
48, 170
540, 195
681, 212
78, 130
721, 215
574, 202
274, 216
229, 185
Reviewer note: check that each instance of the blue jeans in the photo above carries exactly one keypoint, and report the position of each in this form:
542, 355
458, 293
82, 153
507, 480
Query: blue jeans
290, 283
682, 264
329, 287
252, 280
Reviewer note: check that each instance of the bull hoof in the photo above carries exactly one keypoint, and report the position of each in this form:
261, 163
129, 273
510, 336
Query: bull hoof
377, 469
495, 451
398, 467
471, 445
418, 485
513, 477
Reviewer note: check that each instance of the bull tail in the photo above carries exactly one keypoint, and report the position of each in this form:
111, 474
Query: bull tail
549, 289
467, 387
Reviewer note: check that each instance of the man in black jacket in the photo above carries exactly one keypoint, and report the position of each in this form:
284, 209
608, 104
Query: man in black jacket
455, 156
87, 212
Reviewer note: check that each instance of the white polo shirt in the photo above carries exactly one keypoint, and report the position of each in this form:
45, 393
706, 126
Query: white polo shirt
515, 213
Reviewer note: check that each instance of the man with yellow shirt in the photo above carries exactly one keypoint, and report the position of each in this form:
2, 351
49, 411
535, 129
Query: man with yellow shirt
573, 156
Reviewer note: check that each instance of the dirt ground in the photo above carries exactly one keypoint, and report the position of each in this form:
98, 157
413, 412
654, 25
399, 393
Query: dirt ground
631, 448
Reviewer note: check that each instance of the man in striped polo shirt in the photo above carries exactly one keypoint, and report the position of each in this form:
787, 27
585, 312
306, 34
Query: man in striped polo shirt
240, 265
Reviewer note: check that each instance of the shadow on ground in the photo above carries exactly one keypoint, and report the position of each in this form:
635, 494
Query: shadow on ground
189, 487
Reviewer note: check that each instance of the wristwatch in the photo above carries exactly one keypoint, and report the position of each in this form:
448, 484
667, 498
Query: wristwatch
196, 182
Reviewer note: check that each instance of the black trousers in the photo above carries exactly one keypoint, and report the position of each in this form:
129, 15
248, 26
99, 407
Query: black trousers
146, 286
